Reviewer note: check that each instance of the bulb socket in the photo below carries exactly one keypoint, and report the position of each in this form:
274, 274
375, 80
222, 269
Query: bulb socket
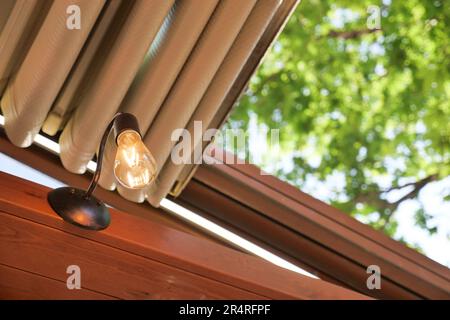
123, 122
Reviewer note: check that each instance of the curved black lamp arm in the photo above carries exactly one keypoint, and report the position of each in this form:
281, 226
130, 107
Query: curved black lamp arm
101, 150
120, 122
80, 207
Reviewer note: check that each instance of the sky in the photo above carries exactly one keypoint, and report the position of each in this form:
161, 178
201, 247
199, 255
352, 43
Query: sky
14, 167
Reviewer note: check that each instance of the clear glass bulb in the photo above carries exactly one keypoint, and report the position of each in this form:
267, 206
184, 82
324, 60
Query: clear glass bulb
134, 165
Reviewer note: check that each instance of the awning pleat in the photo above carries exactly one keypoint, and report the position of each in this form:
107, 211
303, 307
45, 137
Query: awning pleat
102, 100
87, 66
31, 92
177, 37
194, 79
16, 19
220, 85
6, 7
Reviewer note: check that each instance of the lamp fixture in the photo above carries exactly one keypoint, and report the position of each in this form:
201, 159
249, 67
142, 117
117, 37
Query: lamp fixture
134, 168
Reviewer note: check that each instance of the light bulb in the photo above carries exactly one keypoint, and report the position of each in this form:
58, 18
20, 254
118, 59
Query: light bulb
134, 165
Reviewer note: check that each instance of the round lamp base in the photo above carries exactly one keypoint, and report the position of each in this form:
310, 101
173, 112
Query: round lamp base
72, 205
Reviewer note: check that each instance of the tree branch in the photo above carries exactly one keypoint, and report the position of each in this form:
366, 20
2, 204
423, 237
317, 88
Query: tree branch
373, 196
352, 34
430, 178
418, 185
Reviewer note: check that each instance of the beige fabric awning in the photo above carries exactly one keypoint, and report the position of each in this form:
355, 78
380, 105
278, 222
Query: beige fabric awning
169, 62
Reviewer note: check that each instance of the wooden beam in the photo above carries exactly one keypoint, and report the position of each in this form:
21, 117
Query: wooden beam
138, 258
118, 273
17, 284
307, 231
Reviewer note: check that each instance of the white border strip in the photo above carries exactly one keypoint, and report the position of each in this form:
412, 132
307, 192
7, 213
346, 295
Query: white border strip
230, 236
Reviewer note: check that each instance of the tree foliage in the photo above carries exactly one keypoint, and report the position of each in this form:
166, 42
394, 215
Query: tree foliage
369, 104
